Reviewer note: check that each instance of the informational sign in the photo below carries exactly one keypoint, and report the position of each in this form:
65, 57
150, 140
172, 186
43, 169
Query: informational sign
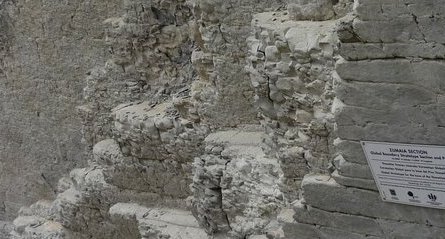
408, 173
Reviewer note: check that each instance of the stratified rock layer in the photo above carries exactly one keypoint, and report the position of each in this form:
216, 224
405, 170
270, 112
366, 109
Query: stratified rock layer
217, 119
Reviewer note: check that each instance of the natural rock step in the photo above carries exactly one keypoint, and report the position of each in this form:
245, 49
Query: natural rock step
33, 227
294, 229
324, 193
20, 223
352, 223
37, 228
368, 184
166, 179
235, 137
235, 157
156, 132
153, 223
40, 208
84, 207
107, 153
37, 222
68, 207
5, 228
357, 224
365, 51
89, 179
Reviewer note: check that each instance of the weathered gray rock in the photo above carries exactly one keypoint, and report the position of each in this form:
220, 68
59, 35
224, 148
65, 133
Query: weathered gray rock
356, 182
149, 50
235, 160
390, 10
397, 229
293, 91
46, 50
364, 225
363, 202
378, 95
42, 230
351, 151
292, 229
352, 223
182, 65
413, 133
5, 228
311, 10
402, 116
360, 51
352, 170
147, 223
156, 132
222, 28
421, 73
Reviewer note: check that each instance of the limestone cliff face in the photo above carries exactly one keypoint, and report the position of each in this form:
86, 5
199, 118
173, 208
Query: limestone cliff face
212, 118
47, 48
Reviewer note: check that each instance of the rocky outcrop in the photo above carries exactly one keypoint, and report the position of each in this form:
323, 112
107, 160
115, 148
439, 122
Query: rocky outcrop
386, 89
120, 171
150, 49
223, 87
45, 50
291, 65
243, 119
235, 186
149, 223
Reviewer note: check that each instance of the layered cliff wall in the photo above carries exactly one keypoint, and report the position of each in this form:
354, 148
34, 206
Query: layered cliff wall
47, 48
211, 118
386, 88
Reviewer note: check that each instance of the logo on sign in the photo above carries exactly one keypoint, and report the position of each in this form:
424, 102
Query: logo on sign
393, 192
432, 197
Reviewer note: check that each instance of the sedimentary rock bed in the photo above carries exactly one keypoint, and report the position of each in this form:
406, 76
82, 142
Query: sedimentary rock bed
213, 118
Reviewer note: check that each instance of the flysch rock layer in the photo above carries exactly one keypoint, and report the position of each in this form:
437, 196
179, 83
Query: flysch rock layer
141, 222
218, 119
386, 88
235, 186
290, 65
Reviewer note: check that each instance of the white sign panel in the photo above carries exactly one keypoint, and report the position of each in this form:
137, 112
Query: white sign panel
407, 173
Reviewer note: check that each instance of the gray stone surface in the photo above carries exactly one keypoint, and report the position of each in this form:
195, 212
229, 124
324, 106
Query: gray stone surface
147, 223
352, 170
46, 50
221, 29
290, 66
5, 228
213, 118
352, 223
355, 201
421, 73
149, 49
235, 186
360, 51
355, 182
351, 151
294, 229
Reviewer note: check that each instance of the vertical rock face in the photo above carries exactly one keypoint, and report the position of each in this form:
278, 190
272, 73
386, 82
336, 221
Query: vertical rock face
213, 118
223, 88
46, 48
235, 185
387, 88
150, 49
291, 67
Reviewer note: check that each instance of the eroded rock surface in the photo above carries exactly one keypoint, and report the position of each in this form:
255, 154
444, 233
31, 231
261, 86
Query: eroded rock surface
213, 118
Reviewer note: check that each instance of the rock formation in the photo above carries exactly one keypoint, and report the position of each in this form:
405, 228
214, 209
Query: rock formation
213, 118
